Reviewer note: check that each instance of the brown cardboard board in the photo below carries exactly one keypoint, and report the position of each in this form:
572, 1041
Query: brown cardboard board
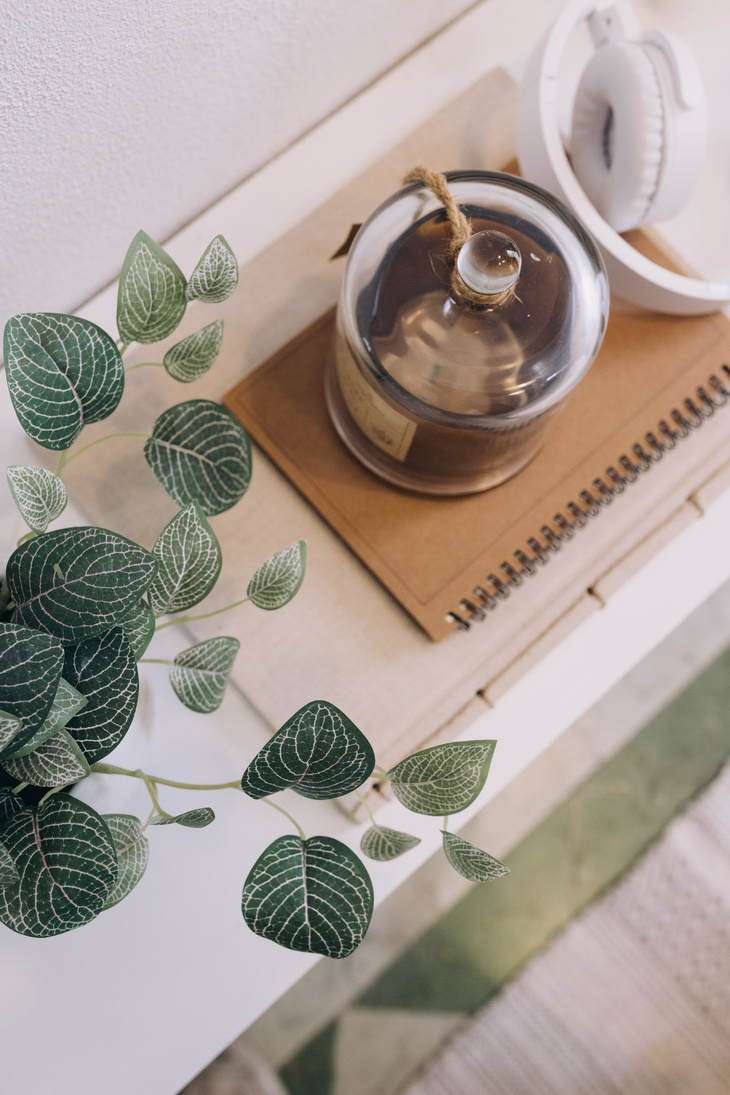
432, 553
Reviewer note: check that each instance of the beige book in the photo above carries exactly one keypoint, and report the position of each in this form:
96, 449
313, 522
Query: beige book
344, 637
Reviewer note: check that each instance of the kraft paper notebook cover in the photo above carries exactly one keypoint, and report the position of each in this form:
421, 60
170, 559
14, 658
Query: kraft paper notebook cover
446, 559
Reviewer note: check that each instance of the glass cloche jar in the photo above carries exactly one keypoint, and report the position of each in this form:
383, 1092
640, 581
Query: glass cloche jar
460, 332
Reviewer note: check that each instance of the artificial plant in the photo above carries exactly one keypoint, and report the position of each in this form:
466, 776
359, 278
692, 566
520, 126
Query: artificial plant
80, 606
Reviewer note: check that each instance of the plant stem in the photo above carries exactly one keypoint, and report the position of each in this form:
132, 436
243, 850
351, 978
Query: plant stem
446, 823
53, 791
20, 787
276, 806
143, 365
151, 781
66, 459
123, 347
379, 773
152, 791
366, 804
157, 661
137, 773
200, 615
28, 536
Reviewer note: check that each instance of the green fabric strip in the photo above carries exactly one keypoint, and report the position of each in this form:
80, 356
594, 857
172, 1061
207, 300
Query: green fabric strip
585, 845
311, 1071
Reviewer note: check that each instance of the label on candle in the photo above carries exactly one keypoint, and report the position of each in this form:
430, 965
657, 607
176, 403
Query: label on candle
381, 423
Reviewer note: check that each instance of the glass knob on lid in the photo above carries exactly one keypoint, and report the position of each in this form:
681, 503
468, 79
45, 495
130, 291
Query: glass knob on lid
489, 263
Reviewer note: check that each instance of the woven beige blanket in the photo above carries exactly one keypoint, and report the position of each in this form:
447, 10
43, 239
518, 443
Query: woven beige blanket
633, 998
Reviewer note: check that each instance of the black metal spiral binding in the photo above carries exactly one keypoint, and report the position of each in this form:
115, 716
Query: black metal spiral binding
604, 490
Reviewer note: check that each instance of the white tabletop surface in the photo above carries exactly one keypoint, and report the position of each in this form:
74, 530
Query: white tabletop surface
141, 999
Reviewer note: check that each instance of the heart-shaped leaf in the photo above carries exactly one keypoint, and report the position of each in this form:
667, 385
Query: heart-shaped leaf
309, 895
58, 762
8, 870
201, 673
191, 358
67, 866
66, 703
318, 752
151, 299
63, 372
139, 627
379, 842
191, 819
190, 561
38, 493
77, 582
199, 452
104, 670
30, 668
443, 779
9, 727
216, 275
279, 578
132, 848
10, 804
471, 862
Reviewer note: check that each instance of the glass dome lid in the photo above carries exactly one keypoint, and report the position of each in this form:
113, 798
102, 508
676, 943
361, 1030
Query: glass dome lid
504, 338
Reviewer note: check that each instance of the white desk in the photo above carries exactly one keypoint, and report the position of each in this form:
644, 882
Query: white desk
145, 996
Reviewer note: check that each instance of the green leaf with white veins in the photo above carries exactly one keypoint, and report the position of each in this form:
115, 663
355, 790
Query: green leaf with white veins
191, 819
198, 451
66, 703
200, 674
379, 842
318, 752
151, 298
443, 779
9, 804
56, 763
38, 493
67, 865
471, 862
77, 582
216, 275
30, 668
278, 579
9, 727
139, 627
309, 895
191, 358
63, 372
133, 851
8, 870
190, 561
104, 670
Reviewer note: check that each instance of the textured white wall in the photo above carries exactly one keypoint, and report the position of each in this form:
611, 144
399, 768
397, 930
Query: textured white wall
120, 116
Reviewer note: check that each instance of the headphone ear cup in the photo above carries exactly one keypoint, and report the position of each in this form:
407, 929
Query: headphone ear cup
618, 133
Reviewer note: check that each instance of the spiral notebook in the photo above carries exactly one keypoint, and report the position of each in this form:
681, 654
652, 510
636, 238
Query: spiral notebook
449, 562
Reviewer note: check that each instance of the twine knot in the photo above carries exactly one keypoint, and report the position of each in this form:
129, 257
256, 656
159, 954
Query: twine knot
461, 231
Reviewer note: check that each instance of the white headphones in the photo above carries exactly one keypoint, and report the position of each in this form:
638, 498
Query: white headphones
638, 137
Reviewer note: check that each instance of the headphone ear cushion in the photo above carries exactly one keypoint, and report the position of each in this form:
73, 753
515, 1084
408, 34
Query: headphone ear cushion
617, 137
